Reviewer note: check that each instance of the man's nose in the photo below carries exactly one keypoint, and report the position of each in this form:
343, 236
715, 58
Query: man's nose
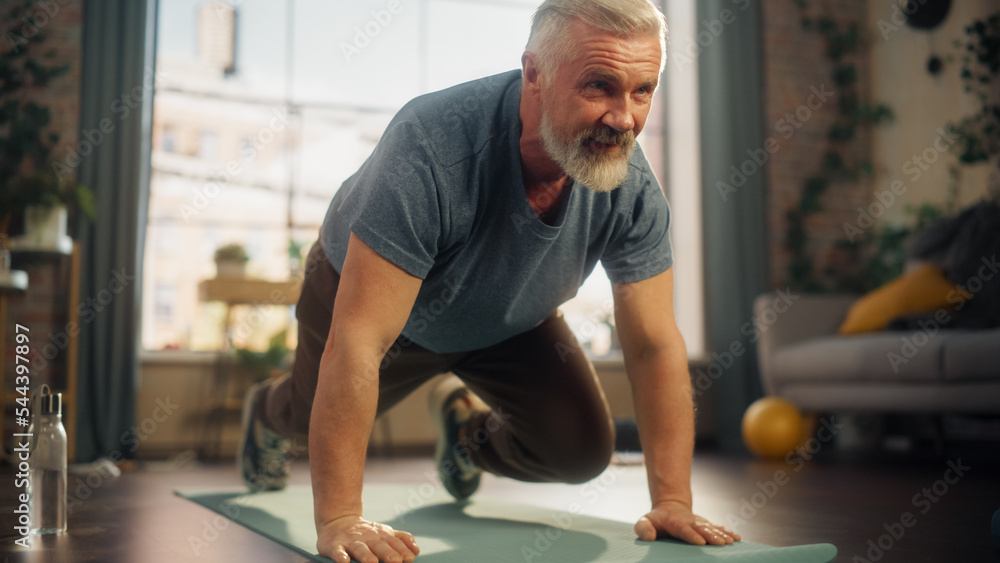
619, 116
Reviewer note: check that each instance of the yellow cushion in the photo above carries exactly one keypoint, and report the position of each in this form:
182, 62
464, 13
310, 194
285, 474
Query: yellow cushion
923, 289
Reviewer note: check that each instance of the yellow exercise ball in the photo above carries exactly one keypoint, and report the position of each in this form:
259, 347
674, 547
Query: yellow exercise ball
772, 427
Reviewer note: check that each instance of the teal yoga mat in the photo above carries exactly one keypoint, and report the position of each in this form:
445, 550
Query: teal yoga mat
485, 530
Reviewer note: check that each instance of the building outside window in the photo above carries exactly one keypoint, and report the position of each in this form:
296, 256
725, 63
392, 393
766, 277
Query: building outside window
255, 140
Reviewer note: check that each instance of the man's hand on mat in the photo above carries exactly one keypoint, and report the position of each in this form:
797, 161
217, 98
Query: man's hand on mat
676, 520
367, 542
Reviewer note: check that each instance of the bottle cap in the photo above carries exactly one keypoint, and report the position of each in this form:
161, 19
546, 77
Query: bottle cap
50, 403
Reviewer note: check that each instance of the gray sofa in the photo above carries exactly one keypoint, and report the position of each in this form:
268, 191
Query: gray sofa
802, 359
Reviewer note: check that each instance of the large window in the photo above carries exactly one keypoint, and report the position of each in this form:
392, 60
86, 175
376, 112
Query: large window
683, 171
263, 108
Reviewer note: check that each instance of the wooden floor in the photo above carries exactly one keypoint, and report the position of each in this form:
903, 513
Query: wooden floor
137, 519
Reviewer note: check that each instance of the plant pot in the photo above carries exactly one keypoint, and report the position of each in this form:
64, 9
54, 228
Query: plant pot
11, 279
14, 279
230, 269
44, 226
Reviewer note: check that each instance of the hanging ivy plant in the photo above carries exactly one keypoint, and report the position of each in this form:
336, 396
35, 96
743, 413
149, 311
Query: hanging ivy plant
841, 41
979, 133
26, 141
881, 252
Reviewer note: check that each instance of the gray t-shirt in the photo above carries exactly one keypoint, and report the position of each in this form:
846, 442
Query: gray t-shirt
442, 198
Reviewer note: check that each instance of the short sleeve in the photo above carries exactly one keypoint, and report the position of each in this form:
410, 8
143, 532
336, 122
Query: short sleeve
640, 248
394, 205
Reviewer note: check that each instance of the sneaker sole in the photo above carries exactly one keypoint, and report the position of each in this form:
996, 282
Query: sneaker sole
441, 395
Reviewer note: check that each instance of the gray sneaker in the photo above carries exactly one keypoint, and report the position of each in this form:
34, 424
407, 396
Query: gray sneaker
263, 463
452, 404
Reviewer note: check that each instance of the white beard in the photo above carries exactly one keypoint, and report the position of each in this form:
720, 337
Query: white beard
599, 172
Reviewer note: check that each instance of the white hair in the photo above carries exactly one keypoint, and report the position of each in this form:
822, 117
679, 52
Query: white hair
552, 43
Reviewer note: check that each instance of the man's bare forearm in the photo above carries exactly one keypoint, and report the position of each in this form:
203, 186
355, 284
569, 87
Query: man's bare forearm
341, 422
661, 388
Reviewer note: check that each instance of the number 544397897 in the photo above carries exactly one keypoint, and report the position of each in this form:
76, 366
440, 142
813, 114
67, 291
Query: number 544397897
22, 379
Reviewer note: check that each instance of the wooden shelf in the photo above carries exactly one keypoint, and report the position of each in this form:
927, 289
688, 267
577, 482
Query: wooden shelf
22, 244
240, 291
69, 398
231, 292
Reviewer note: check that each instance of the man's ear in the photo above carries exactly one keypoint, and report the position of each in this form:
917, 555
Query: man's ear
530, 71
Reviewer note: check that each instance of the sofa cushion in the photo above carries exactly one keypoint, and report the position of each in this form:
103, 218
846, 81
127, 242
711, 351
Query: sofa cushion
886, 356
925, 288
973, 356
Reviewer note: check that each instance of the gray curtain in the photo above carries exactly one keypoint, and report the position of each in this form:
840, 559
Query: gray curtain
116, 100
730, 89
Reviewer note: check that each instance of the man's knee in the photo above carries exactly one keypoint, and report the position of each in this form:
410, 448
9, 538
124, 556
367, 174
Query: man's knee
590, 456
588, 468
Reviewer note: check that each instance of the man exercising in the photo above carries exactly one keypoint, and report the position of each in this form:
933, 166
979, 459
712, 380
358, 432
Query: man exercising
482, 209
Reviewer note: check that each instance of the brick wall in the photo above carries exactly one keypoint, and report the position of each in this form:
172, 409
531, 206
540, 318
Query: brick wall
43, 307
794, 65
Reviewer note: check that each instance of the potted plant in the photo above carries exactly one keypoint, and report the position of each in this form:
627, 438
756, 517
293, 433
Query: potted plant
32, 187
231, 261
295, 262
44, 201
11, 279
270, 362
